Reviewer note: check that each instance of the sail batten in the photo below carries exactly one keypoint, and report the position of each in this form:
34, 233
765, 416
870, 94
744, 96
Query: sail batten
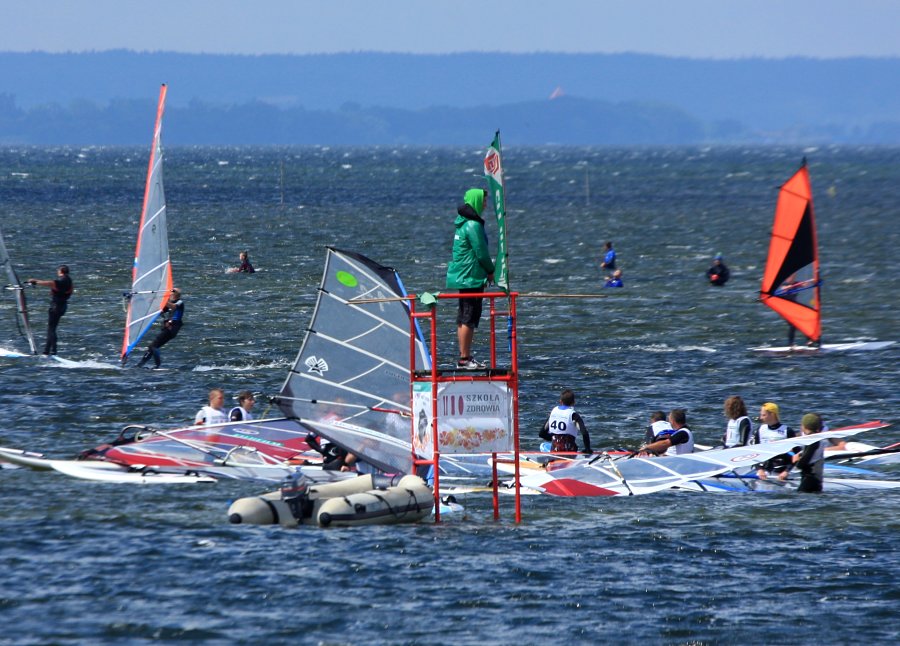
151, 277
791, 283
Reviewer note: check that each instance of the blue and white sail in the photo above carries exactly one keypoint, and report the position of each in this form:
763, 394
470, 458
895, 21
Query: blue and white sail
15, 285
609, 476
151, 277
350, 382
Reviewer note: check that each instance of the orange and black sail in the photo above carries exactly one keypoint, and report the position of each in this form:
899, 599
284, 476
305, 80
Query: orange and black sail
791, 283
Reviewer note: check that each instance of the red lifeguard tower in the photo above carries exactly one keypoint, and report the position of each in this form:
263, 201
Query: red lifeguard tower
458, 411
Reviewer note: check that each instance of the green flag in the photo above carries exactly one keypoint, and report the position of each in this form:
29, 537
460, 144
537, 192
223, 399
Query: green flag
493, 170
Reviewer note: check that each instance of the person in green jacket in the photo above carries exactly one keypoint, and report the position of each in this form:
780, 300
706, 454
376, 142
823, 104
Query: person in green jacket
470, 270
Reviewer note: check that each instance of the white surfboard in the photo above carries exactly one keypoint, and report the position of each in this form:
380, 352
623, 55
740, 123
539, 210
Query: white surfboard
100, 472
96, 470
852, 346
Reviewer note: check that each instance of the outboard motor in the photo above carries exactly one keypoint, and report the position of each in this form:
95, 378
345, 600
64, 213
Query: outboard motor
295, 493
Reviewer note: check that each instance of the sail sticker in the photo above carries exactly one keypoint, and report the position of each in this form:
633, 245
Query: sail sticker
346, 278
316, 365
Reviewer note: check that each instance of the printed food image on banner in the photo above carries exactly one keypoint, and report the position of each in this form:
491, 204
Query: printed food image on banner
472, 418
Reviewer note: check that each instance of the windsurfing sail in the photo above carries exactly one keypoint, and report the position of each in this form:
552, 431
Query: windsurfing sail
151, 276
608, 476
15, 285
791, 283
493, 170
350, 382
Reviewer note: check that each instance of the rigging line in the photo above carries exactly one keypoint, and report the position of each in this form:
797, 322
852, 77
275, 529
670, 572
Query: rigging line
342, 387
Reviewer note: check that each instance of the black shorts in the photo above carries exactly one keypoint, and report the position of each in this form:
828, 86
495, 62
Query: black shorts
469, 312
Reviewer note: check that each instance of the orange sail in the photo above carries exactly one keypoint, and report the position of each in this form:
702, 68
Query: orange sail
791, 283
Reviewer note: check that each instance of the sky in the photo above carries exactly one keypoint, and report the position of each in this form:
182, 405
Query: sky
720, 29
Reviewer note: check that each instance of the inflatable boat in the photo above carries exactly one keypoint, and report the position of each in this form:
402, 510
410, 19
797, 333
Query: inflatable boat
365, 500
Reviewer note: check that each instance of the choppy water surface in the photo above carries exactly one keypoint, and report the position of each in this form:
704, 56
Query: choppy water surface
91, 563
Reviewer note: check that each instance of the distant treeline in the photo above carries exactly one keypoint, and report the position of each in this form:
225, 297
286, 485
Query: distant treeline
108, 98
564, 121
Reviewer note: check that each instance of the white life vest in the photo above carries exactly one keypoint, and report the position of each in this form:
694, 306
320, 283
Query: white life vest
769, 434
660, 429
733, 431
243, 415
684, 447
209, 415
560, 422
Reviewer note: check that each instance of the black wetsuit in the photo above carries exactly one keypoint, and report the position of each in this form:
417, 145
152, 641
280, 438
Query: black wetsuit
172, 320
59, 301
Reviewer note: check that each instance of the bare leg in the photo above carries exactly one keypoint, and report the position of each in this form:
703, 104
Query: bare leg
465, 335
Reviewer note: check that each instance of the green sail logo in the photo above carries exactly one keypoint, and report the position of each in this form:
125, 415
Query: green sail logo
346, 278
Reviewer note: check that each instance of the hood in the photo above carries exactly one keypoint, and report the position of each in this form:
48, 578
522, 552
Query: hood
474, 197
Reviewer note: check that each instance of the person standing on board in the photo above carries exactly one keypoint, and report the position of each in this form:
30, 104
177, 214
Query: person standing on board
470, 271
212, 413
172, 317
718, 274
811, 460
615, 280
241, 412
560, 427
788, 291
61, 289
678, 439
609, 257
739, 429
770, 430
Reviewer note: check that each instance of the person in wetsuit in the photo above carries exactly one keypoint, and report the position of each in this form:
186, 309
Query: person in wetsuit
718, 274
61, 289
172, 317
811, 460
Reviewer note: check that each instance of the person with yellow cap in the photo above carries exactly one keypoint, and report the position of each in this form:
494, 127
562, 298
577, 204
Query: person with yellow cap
769, 430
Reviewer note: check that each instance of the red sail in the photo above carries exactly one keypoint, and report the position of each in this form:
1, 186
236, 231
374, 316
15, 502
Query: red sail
791, 284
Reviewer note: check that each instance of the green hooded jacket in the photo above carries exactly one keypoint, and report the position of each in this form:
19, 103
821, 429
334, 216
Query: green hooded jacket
471, 264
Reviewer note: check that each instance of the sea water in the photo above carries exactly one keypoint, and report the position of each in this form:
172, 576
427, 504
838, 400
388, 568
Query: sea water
86, 562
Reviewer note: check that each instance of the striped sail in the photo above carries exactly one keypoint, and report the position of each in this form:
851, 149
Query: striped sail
151, 277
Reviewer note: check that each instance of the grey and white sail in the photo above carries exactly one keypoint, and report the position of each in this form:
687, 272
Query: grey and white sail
16, 287
350, 382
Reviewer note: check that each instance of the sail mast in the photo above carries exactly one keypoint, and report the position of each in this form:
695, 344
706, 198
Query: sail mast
151, 276
16, 285
791, 284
